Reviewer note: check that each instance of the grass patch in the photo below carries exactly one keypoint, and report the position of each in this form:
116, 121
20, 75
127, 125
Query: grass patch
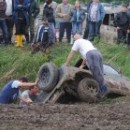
16, 62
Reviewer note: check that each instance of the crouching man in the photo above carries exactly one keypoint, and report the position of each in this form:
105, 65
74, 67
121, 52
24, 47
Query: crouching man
29, 96
92, 57
44, 37
10, 92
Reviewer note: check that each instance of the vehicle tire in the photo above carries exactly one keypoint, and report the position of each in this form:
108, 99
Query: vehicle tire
48, 77
87, 90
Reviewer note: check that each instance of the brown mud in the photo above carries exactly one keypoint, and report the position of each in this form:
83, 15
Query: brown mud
79, 116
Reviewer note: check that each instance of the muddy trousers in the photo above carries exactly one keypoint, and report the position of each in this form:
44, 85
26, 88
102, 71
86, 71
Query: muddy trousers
95, 64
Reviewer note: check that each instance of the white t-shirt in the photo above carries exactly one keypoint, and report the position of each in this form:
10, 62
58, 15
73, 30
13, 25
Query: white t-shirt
24, 95
83, 47
16, 84
8, 11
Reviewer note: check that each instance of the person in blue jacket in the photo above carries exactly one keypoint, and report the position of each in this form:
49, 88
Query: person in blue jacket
44, 37
10, 92
96, 15
77, 18
21, 20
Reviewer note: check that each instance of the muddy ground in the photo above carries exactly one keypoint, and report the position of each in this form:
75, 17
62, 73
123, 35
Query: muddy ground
79, 116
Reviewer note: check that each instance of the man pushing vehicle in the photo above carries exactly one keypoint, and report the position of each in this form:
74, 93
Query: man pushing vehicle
93, 58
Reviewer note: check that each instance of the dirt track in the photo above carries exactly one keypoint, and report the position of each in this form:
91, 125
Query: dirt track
66, 117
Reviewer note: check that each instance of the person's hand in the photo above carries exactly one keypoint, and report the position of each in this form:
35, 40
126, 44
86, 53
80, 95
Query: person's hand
29, 101
64, 15
117, 28
128, 31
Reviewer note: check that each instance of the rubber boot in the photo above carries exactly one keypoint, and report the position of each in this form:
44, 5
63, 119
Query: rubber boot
16, 40
20, 40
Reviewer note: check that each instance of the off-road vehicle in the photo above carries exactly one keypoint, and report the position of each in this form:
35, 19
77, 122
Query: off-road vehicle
69, 83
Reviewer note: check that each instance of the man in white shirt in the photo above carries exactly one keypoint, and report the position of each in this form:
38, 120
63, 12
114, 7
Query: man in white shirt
92, 57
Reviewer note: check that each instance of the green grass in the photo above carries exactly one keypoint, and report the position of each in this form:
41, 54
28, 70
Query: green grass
17, 62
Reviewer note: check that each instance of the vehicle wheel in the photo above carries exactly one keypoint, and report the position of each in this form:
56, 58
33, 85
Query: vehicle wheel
87, 90
48, 76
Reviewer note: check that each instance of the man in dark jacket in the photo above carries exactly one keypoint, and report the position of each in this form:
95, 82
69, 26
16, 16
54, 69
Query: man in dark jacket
48, 12
122, 25
2, 21
33, 13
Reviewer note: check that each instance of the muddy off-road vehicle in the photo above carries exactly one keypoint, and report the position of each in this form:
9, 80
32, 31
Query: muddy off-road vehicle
108, 29
68, 84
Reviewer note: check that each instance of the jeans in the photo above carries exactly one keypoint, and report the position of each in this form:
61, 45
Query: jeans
10, 25
128, 39
121, 35
94, 30
76, 28
95, 64
65, 26
86, 32
4, 31
53, 32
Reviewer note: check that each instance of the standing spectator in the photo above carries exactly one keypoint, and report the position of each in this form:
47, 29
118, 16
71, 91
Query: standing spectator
48, 12
96, 15
63, 12
33, 13
3, 22
122, 24
9, 19
77, 18
92, 57
21, 19
128, 37
86, 32
53, 5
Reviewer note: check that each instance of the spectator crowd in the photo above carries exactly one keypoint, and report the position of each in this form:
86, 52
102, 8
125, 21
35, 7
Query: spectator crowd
19, 16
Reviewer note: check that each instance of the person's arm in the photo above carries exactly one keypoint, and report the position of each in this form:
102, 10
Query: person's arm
24, 97
82, 64
69, 58
36, 10
27, 85
58, 11
28, 100
102, 12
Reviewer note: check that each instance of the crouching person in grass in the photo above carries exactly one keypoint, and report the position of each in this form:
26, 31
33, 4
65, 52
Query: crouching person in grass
10, 92
44, 37
29, 96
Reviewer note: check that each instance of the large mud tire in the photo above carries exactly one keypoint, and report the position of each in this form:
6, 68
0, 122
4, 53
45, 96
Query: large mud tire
87, 90
48, 77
